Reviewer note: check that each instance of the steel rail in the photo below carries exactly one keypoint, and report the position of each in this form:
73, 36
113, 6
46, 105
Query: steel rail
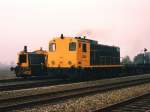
23, 79
31, 84
130, 104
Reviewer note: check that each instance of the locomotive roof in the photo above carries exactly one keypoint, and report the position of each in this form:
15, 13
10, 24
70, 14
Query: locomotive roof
78, 38
34, 52
93, 42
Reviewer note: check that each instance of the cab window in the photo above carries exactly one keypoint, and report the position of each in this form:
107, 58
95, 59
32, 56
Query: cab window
52, 47
84, 48
72, 46
23, 58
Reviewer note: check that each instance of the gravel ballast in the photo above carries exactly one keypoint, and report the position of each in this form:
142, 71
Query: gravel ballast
91, 102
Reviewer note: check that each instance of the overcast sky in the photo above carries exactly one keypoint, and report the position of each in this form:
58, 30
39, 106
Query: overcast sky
124, 23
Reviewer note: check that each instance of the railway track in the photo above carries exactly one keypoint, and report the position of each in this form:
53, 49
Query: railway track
25, 84
9, 80
17, 84
23, 79
21, 83
134, 104
50, 97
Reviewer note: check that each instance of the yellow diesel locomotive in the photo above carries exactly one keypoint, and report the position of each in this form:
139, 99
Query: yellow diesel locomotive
31, 63
79, 57
70, 57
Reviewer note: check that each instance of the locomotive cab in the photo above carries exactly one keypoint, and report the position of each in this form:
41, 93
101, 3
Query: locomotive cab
23, 69
23, 58
68, 52
23, 61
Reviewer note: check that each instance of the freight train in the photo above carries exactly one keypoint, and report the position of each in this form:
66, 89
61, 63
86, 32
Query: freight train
73, 57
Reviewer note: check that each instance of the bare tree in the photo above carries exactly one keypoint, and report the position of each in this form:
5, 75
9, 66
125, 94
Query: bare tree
126, 60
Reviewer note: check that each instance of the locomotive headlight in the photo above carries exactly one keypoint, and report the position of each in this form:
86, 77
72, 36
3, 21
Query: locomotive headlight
53, 62
69, 62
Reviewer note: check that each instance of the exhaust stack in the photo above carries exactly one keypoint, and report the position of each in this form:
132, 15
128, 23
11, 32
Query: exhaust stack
25, 49
62, 36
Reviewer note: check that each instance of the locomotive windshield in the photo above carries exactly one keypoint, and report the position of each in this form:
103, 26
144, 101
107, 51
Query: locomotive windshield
22, 58
72, 46
52, 47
